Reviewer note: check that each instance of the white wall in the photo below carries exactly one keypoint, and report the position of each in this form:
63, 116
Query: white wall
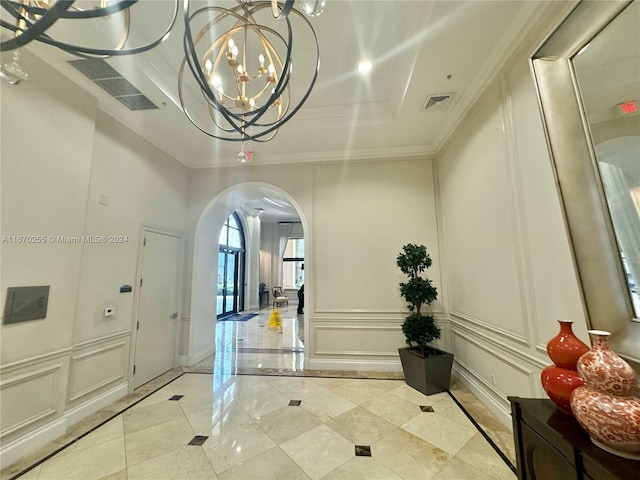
510, 271
357, 218
60, 155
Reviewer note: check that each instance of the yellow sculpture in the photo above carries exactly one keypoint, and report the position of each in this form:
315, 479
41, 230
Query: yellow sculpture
275, 322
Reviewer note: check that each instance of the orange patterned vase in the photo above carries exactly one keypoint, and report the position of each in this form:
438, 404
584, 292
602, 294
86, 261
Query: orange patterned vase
560, 379
606, 406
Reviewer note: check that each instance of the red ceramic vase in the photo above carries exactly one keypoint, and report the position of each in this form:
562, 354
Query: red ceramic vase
559, 383
560, 379
565, 348
606, 406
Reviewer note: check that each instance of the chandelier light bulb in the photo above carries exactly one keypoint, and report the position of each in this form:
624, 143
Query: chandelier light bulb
208, 65
261, 60
242, 156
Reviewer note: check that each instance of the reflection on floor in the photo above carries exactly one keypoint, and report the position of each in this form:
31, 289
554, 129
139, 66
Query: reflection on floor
234, 425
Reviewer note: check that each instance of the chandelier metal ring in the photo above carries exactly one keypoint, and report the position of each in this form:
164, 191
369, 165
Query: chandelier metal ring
32, 22
251, 122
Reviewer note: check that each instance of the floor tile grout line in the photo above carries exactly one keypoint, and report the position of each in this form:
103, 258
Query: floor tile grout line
497, 449
91, 430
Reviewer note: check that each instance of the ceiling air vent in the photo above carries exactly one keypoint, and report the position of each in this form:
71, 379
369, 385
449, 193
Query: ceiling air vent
106, 77
437, 102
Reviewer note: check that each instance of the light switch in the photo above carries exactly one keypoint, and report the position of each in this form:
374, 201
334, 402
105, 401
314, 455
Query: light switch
109, 311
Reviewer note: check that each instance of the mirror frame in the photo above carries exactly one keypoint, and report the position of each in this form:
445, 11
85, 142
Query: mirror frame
606, 297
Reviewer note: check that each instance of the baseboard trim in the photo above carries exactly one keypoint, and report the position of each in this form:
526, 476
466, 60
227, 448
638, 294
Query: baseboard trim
105, 399
503, 414
31, 442
350, 365
181, 360
192, 359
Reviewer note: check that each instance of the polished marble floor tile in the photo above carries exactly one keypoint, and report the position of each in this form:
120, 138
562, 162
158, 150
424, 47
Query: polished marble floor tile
256, 415
154, 441
440, 431
273, 464
360, 426
409, 456
392, 408
183, 463
88, 464
319, 451
287, 423
478, 452
361, 468
232, 447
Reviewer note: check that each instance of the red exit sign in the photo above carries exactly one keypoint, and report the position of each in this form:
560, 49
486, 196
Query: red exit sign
628, 107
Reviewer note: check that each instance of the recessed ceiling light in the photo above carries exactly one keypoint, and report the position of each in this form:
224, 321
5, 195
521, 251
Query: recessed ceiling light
365, 67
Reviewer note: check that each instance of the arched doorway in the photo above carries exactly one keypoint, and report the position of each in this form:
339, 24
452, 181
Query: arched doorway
207, 260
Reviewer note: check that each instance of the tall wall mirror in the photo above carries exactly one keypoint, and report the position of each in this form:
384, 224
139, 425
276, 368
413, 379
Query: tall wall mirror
588, 79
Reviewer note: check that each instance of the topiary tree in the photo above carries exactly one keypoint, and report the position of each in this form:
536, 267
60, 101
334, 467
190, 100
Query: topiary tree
418, 329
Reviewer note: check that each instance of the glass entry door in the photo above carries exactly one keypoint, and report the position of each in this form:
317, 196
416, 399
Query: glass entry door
227, 297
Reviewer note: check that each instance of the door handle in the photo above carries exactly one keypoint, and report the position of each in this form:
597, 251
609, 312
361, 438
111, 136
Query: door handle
173, 316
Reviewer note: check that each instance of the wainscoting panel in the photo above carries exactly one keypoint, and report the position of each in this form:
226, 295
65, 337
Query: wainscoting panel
338, 343
97, 366
346, 339
492, 367
32, 394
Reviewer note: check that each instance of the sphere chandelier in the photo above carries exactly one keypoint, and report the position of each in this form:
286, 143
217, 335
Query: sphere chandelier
241, 63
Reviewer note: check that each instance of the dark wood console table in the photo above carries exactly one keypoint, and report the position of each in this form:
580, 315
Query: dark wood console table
553, 446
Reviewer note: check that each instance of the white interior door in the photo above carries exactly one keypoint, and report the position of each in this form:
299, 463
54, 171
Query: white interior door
157, 308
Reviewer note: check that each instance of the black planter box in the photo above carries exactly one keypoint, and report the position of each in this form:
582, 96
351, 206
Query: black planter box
427, 375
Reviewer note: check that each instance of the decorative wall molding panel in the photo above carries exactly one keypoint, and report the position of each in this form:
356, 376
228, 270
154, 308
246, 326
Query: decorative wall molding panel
508, 349
365, 311
495, 404
338, 339
97, 365
33, 393
456, 318
493, 369
351, 365
518, 208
